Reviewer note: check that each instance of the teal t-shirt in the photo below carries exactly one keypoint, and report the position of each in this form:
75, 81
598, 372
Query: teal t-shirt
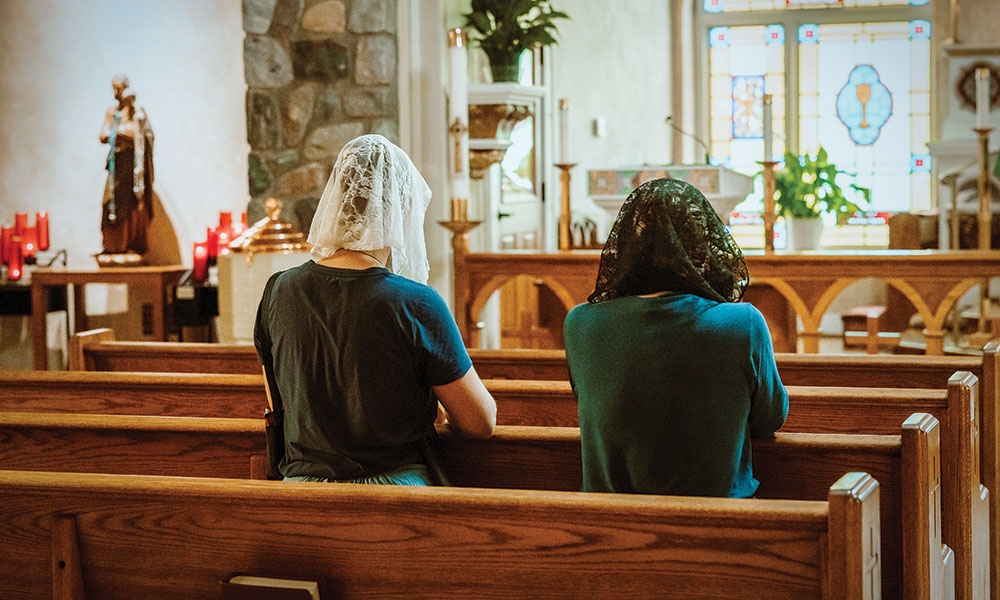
670, 390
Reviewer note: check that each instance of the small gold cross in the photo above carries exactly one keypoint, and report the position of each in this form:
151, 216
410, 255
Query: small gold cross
457, 130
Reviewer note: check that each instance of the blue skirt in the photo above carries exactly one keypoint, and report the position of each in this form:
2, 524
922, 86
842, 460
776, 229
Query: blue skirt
405, 475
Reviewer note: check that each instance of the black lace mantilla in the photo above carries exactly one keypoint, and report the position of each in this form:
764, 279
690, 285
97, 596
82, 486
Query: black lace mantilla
667, 237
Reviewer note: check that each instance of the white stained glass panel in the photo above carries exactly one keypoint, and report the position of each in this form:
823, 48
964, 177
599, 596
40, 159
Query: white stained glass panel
864, 96
739, 57
732, 6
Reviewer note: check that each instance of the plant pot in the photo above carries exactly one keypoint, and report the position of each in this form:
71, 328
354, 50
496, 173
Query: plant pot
803, 234
506, 69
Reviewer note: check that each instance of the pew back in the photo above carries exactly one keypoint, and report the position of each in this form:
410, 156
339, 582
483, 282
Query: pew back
128, 537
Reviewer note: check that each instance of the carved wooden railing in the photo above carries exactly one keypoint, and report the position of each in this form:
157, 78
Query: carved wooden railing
933, 281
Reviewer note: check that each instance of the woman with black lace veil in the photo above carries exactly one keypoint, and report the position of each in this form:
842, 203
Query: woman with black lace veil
355, 344
673, 374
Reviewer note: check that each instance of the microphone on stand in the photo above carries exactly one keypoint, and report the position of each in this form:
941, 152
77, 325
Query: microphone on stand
670, 123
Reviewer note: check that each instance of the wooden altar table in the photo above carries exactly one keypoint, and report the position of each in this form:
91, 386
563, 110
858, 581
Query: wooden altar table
159, 278
808, 283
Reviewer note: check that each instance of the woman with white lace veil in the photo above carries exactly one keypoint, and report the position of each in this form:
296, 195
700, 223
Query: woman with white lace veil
355, 344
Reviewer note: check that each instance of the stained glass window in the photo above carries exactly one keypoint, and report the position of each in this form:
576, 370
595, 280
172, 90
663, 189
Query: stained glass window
726, 6
864, 95
860, 88
746, 63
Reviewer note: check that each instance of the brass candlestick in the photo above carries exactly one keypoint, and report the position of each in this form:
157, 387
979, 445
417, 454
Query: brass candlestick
769, 216
460, 226
565, 236
985, 229
985, 192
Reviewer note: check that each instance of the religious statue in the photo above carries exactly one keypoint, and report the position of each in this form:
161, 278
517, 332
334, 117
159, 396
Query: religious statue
128, 193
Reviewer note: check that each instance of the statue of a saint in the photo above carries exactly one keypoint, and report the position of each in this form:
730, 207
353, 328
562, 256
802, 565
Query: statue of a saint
128, 193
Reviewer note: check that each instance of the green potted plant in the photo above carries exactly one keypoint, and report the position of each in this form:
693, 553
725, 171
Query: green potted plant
506, 28
806, 188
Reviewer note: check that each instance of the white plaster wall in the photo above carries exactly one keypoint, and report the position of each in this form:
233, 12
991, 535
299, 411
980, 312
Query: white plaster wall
613, 65
185, 62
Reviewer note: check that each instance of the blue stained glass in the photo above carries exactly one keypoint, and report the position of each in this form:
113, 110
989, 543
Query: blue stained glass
920, 30
775, 35
917, 2
920, 163
718, 37
713, 6
747, 107
864, 105
809, 34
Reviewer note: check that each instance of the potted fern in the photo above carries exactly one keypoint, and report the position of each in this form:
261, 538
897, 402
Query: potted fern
506, 28
805, 189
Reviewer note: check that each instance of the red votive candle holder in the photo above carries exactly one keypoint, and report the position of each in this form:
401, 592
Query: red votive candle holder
29, 242
199, 272
5, 234
15, 263
224, 239
212, 242
42, 230
226, 222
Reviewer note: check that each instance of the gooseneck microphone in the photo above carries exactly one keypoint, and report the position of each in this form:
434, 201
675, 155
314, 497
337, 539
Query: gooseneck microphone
670, 123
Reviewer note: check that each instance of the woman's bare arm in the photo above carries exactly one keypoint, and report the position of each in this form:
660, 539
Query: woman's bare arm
470, 406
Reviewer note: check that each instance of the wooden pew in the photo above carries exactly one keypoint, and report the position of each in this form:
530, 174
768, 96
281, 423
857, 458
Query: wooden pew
133, 444
97, 350
119, 536
790, 466
536, 405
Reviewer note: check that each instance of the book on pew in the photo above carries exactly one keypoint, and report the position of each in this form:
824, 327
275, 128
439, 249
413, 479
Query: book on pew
253, 587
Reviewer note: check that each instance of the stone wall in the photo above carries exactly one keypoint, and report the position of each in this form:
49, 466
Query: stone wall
319, 73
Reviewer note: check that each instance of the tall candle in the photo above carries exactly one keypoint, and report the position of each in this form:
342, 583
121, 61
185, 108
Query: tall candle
458, 111
226, 222
982, 98
768, 129
563, 130
20, 221
5, 234
199, 272
42, 229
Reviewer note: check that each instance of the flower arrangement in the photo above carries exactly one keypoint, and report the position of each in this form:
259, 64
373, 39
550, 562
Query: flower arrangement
506, 28
807, 187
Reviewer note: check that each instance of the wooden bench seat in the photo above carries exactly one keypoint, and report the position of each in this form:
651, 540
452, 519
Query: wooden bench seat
789, 465
118, 536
